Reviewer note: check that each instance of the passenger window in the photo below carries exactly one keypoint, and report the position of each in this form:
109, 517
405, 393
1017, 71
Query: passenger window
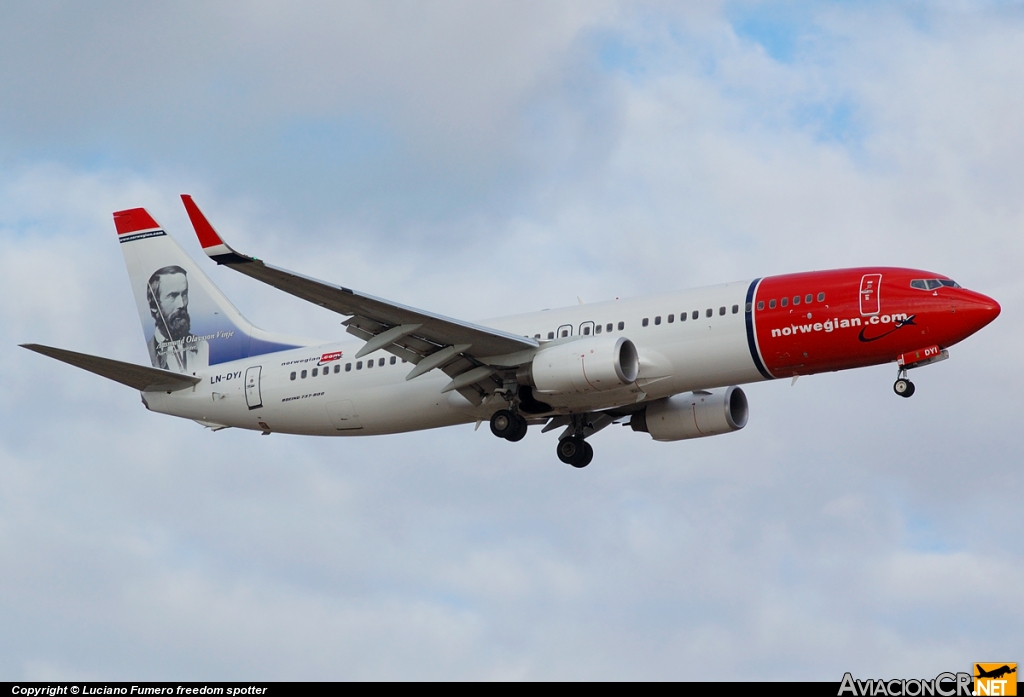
369, 364
337, 367
821, 297
696, 314
809, 299
736, 308
395, 359
380, 362
682, 316
785, 301
671, 319
657, 320
721, 310
293, 375
608, 327
314, 372
709, 312
359, 365
644, 323
327, 370
760, 304
303, 374
348, 367
622, 325
796, 299
771, 304
597, 329
551, 335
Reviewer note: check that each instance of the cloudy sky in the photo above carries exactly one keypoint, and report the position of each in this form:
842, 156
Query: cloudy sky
480, 159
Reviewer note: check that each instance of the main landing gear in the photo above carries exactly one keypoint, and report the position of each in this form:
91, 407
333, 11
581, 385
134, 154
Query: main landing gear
575, 451
505, 424
572, 450
903, 387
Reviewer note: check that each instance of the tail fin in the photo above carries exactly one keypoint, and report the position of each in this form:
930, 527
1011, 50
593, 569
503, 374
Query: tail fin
187, 321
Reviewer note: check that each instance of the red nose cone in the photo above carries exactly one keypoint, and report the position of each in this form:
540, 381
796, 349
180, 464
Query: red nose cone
988, 308
979, 310
992, 309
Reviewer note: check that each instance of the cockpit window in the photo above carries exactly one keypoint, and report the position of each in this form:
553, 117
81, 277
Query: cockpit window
932, 283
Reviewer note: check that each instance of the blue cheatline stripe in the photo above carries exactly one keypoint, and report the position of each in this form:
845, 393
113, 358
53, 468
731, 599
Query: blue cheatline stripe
750, 330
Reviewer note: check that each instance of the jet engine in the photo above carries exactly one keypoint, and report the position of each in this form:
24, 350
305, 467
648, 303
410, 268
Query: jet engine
693, 415
587, 364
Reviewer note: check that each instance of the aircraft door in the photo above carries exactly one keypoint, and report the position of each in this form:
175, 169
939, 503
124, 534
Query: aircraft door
563, 331
869, 293
252, 387
586, 328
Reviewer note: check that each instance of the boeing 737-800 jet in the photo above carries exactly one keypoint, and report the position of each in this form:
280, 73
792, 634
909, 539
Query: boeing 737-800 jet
667, 365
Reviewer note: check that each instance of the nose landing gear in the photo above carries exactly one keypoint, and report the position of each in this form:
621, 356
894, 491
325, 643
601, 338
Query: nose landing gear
903, 387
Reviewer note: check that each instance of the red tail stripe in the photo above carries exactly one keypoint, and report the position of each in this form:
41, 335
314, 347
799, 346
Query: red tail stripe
133, 220
208, 237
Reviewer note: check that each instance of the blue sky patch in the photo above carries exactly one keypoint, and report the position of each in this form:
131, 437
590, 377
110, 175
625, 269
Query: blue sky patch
779, 27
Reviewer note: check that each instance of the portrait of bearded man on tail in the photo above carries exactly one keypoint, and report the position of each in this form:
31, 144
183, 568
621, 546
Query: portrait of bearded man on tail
173, 346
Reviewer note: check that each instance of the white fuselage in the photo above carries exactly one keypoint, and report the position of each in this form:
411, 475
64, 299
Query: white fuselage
280, 392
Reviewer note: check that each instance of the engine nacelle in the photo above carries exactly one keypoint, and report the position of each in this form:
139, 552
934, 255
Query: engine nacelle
693, 415
588, 364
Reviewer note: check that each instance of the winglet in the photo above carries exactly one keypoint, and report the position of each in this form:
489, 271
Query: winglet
134, 220
213, 245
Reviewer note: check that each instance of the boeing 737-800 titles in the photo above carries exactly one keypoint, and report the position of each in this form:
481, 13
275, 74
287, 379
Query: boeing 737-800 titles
667, 365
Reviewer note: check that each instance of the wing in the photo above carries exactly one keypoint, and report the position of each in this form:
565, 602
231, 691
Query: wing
140, 377
470, 354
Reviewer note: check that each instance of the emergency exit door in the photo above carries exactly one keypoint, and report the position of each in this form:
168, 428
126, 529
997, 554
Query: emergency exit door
252, 387
869, 293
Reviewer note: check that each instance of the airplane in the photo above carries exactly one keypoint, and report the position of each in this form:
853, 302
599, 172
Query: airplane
669, 365
996, 673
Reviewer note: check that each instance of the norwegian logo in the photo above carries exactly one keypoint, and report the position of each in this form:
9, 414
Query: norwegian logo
328, 357
887, 324
898, 322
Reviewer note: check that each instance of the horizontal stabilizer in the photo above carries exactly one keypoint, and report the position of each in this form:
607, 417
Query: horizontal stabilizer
140, 377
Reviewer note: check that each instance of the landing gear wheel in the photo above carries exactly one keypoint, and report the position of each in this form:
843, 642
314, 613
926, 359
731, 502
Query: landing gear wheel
588, 455
504, 423
575, 451
520, 432
903, 387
